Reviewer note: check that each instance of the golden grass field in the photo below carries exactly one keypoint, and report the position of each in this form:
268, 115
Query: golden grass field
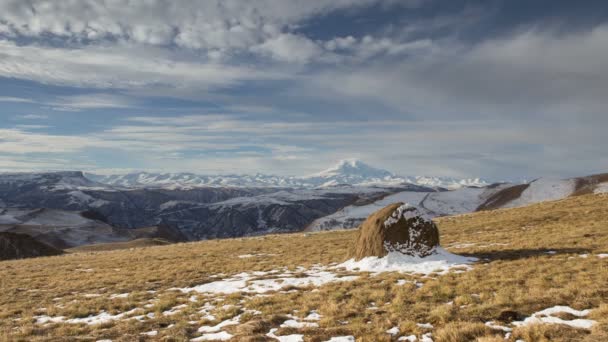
515, 273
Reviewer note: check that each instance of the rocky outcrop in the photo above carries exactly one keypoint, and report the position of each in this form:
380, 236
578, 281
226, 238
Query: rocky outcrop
398, 228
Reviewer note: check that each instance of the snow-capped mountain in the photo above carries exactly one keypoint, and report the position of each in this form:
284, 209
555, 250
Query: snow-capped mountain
191, 180
353, 172
345, 172
62, 180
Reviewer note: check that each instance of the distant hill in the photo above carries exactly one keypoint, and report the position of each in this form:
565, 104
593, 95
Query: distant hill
20, 246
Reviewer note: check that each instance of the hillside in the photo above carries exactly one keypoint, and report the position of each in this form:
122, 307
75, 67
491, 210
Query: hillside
531, 259
19, 246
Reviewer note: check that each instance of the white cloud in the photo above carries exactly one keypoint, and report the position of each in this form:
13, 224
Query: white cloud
33, 117
15, 99
91, 101
208, 24
18, 141
538, 73
116, 67
290, 48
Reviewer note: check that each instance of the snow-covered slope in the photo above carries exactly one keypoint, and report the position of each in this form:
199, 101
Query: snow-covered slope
59, 228
54, 181
438, 203
349, 171
544, 189
191, 180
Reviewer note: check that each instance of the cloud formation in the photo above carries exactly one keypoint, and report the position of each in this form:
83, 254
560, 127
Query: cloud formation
288, 87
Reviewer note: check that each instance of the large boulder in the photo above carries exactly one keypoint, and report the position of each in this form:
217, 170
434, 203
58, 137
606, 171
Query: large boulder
397, 228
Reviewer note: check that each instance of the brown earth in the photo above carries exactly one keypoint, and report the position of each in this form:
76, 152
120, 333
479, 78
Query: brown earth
20, 246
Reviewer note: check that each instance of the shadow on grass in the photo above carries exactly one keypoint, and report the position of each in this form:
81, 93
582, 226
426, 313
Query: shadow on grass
515, 254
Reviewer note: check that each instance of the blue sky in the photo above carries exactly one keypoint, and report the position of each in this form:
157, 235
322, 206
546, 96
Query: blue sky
497, 89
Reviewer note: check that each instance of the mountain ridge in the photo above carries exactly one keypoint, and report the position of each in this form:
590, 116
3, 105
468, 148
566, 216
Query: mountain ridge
346, 171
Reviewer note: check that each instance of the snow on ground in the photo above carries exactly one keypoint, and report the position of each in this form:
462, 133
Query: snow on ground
286, 338
292, 323
313, 316
393, 331
259, 282
174, 310
544, 189
601, 188
245, 282
464, 200
546, 316
247, 256
459, 201
440, 262
342, 339
352, 215
495, 326
210, 329
100, 318
220, 336
119, 295
79, 197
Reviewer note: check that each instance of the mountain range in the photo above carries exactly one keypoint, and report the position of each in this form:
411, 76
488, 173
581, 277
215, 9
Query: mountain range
70, 209
349, 171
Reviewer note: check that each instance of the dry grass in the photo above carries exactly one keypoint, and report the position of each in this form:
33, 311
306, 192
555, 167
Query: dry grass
516, 274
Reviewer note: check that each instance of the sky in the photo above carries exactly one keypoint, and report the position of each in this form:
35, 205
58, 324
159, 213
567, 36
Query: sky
495, 89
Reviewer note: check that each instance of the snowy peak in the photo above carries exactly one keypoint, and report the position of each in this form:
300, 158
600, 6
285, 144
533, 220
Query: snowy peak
350, 168
447, 182
352, 172
62, 180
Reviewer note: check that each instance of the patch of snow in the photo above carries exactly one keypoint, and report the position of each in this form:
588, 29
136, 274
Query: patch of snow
545, 316
602, 255
174, 310
426, 338
393, 331
342, 339
91, 295
286, 338
292, 323
120, 295
410, 338
208, 329
43, 319
440, 262
79, 197
220, 336
406, 212
150, 333
313, 316
601, 188
425, 325
544, 189
244, 282
495, 326
100, 318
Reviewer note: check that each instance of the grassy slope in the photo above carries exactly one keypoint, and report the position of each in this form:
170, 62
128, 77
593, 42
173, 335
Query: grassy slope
518, 275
